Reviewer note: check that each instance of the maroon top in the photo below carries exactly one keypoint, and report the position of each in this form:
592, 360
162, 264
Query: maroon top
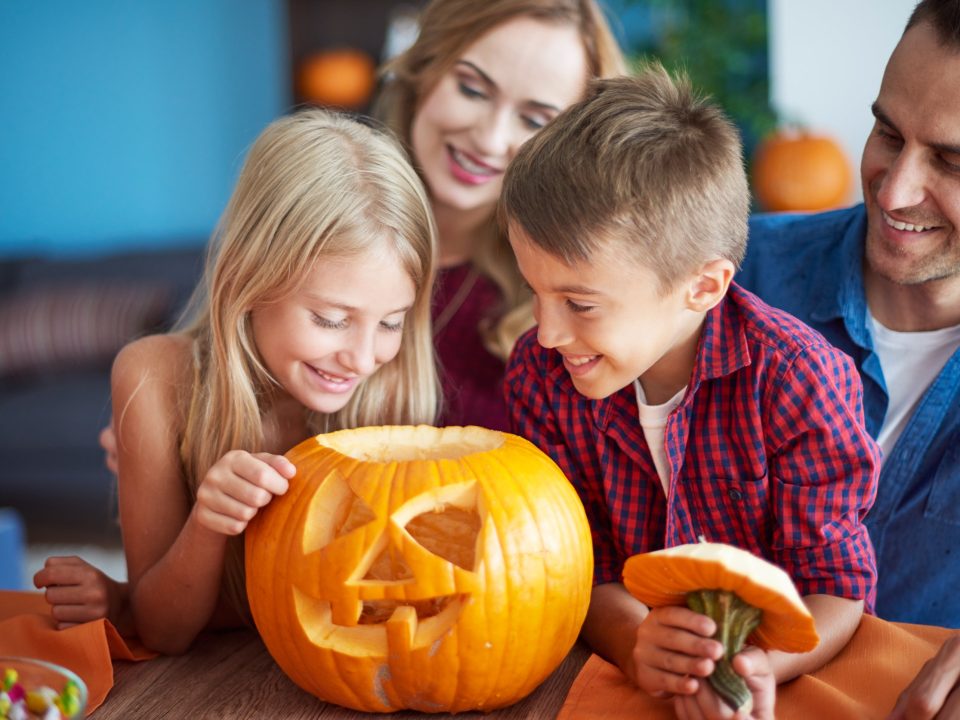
471, 376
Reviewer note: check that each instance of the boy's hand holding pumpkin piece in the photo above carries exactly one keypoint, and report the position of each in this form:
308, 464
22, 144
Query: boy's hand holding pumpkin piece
745, 597
673, 649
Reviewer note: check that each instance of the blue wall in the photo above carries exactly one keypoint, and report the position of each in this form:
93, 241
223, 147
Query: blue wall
123, 123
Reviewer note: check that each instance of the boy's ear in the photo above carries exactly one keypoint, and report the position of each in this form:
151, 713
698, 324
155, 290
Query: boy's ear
709, 284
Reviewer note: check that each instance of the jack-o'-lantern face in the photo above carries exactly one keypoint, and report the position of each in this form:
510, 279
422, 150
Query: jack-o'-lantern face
431, 569
361, 543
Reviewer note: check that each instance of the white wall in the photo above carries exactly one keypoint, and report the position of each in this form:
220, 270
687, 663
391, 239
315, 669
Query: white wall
826, 62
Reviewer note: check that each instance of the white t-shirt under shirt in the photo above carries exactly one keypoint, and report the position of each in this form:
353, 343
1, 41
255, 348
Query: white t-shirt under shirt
910, 362
653, 419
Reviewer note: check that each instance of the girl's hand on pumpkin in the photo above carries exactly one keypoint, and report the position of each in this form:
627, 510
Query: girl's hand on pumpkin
754, 666
935, 691
673, 649
237, 486
78, 592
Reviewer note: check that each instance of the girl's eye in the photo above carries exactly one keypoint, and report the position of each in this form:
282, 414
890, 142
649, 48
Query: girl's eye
329, 324
392, 326
574, 307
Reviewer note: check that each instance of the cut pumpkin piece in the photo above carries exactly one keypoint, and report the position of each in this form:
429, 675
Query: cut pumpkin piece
745, 595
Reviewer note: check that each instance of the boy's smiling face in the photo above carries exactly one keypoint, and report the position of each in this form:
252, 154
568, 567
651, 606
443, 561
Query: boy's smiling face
609, 321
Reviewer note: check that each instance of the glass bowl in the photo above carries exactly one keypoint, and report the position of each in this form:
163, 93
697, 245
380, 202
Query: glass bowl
21, 679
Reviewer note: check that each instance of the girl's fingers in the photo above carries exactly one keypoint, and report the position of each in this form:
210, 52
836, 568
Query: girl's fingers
220, 523
223, 514
279, 463
74, 595
75, 614
264, 472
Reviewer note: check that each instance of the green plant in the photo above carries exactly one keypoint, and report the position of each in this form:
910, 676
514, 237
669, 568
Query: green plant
722, 46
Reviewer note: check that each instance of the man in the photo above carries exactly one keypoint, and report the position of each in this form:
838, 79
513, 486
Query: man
882, 282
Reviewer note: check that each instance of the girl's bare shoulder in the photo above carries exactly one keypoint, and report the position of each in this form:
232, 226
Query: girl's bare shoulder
164, 359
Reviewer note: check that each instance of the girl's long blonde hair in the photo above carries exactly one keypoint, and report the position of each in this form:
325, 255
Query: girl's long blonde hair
447, 29
315, 185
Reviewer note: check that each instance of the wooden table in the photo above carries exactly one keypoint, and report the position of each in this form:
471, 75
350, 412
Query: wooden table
231, 676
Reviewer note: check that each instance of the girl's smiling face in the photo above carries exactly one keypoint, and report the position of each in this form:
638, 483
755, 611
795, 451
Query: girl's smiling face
342, 324
501, 90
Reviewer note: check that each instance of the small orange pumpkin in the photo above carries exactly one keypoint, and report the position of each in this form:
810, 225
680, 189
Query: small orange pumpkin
794, 170
432, 569
342, 77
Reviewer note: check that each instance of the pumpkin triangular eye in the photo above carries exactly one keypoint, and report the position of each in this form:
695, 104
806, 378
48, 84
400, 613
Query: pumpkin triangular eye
335, 510
445, 522
450, 533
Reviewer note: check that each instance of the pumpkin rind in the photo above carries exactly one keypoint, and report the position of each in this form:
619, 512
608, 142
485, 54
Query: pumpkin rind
664, 577
497, 628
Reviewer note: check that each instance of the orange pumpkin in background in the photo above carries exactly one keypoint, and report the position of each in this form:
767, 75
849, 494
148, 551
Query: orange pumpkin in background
434, 569
795, 170
342, 77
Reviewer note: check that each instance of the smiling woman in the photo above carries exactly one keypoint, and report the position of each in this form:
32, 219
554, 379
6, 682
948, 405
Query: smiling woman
481, 79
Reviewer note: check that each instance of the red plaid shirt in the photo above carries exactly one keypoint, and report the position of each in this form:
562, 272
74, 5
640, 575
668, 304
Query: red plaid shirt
767, 451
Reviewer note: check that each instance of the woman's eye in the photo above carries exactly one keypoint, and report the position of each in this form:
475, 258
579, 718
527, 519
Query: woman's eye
392, 326
533, 123
329, 324
469, 91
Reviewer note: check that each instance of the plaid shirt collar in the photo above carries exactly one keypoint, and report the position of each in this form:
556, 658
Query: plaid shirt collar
722, 350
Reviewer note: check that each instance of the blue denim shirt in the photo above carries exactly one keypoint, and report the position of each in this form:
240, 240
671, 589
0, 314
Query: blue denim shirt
812, 267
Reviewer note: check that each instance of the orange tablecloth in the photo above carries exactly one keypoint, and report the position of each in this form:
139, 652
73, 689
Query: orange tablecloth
28, 630
861, 682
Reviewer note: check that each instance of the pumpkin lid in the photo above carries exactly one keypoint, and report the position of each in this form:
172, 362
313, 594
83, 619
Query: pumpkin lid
664, 577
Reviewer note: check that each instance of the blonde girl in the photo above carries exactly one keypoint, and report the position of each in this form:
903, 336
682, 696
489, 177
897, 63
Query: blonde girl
313, 315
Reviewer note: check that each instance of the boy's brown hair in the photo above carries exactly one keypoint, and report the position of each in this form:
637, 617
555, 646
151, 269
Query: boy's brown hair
642, 164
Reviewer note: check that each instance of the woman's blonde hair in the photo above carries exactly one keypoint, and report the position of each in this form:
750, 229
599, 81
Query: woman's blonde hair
315, 185
447, 29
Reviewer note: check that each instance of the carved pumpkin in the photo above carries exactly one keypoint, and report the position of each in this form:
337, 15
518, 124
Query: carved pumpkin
798, 171
423, 568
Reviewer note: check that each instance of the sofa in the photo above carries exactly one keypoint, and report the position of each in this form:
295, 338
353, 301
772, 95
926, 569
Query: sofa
62, 320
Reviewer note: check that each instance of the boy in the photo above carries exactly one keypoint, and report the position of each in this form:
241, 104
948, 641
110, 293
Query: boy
677, 403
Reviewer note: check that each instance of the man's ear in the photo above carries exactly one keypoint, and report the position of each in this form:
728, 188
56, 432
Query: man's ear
709, 284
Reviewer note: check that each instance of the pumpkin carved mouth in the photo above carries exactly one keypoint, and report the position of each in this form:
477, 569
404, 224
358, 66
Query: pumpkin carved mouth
383, 602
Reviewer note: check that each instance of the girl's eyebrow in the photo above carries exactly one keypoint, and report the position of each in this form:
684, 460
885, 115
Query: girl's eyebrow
348, 308
489, 81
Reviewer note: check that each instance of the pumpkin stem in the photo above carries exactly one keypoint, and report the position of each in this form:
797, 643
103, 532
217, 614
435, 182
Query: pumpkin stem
735, 621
